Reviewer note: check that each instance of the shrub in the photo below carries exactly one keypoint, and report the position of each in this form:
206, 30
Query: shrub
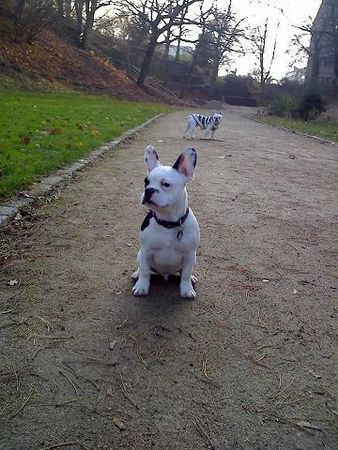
283, 105
310, 106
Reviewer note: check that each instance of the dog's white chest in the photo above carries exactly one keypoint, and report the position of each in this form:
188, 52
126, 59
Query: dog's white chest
164, 250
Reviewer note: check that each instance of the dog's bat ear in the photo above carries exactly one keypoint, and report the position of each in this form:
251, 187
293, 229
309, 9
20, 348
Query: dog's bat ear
186, 163
151, 158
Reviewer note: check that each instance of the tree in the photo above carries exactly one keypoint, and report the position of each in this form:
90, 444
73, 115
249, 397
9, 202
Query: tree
29, 17
259, 47
227, 35
85, 11
160, 17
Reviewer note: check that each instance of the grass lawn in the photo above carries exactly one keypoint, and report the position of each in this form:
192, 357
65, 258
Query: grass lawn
322, 129
42, 132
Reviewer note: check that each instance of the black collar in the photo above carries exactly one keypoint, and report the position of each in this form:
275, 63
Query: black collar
176, 224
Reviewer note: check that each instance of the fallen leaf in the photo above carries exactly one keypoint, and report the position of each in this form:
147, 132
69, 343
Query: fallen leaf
307, 425
25, 140
118, 422
112, 345
316, 375
56, 131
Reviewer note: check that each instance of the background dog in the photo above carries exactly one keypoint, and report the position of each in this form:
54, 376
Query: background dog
207, 123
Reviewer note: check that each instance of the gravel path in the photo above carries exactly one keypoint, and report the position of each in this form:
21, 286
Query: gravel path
248, 365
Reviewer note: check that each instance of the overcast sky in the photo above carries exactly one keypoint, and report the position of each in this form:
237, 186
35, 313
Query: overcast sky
295, 12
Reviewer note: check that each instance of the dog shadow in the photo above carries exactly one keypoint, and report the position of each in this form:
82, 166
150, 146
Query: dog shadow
163, 298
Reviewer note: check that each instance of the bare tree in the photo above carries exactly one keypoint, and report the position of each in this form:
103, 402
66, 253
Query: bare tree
259, 47
85, 11
160, 17
30, 17
227, 33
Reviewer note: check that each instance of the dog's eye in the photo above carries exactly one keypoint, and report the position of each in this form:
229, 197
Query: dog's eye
146, 182
165, 184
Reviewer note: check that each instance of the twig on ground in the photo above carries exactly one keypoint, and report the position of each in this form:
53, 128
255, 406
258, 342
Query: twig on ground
94, 358
126, 393
257, 325
40, 350
45, 321
204, 369
122, 324
62, 444
42, 336
137, 350
16, 378
201, 429
280, 390
16, 413
77, 376
70, 381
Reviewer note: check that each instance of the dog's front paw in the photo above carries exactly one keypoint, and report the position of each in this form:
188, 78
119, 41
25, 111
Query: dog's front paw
187, 290
141, 288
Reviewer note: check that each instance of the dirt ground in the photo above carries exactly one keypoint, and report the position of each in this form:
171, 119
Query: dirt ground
248, 365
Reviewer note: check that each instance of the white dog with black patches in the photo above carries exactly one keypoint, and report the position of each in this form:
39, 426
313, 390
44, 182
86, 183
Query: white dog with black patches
169, 233
207, 123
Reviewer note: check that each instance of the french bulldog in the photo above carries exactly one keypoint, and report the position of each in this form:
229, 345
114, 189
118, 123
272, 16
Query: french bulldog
207, 123
169, 233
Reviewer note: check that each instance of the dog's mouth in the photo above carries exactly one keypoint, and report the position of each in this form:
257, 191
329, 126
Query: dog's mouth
148, 202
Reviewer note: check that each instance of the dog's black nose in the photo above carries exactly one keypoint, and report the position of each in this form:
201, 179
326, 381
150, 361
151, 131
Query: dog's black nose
148, 192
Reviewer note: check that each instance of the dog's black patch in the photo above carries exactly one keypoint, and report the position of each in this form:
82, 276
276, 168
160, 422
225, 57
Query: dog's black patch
180, 159
146, 181
146, 220
178, 162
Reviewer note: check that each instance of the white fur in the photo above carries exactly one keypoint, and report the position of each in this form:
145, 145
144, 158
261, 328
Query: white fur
192, 125
160, 249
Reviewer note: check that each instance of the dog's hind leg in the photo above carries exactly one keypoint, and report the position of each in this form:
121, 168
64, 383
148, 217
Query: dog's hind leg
135, 275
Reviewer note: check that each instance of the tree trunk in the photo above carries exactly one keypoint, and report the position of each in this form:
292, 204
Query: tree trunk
167, 45
190, 72
78, 4
147, 61
60, 7
88, 26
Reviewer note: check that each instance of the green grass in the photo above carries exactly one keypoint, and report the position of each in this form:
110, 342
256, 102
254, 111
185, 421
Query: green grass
40, 132
323, 129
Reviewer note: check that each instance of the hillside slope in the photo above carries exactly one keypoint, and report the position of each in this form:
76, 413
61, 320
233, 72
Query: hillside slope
50, 62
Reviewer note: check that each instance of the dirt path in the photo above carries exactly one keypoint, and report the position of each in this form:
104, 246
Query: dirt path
248, 365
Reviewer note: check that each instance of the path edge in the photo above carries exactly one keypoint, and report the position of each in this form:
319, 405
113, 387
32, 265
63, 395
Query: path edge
293, 131
11, 209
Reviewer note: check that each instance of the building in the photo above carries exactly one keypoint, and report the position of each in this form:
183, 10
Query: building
322, 68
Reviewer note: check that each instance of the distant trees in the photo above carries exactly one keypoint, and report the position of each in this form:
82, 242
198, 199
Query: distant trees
160, 17
227, 33
264, 56
221, 35
85, 11
28, 17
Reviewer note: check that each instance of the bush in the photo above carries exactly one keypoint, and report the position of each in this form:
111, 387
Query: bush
283, 105
310, 106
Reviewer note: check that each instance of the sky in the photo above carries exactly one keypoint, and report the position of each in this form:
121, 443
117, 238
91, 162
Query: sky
295, 12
